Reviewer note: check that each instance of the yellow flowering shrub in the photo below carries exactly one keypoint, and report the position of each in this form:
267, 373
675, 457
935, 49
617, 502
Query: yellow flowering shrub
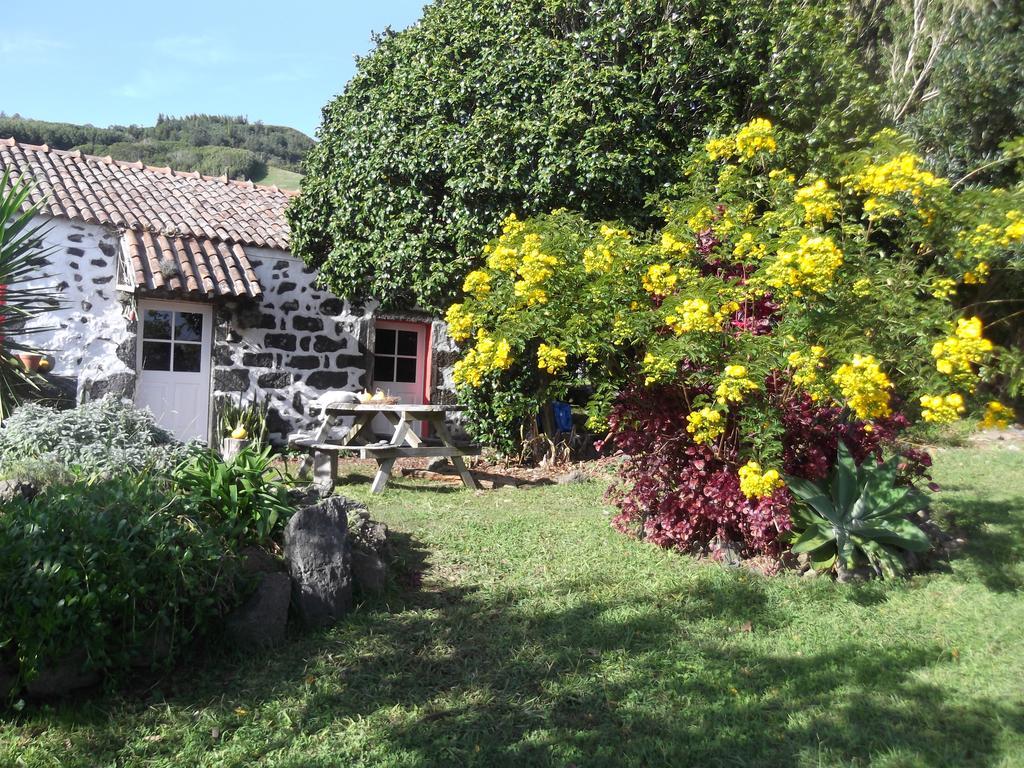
767, 297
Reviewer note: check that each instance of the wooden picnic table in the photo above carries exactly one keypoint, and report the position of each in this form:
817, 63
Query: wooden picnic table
358, 441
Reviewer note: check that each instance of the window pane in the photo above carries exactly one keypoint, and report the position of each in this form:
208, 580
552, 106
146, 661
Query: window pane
407, 342
188, 326
405, 369
187, 358
385, 341
384, 369
156, 355
156, 324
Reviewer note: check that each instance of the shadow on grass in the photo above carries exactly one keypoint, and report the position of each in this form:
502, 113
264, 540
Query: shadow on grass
994, 533
455, 675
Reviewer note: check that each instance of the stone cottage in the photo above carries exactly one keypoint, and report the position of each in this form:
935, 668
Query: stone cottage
179, 289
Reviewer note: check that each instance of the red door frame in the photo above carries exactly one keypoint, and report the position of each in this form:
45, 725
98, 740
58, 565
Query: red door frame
424, 364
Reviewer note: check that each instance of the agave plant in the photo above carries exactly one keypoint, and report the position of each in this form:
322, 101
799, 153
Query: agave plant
860, 514
21, 259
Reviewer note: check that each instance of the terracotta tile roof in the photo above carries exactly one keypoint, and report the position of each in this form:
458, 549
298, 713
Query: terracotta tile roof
189, 265
133, 196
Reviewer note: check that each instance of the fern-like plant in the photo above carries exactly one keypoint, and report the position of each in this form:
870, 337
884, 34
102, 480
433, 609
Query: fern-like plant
21, 260
859, 515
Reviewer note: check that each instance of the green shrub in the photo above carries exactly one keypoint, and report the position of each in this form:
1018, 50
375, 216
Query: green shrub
244, 499
115, 570
860, 516
98, 438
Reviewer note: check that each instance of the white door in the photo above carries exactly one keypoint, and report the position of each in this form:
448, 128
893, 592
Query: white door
400, 364
174, 366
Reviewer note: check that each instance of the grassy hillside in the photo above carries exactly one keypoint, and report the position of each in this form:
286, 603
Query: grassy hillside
281, 178
210, 144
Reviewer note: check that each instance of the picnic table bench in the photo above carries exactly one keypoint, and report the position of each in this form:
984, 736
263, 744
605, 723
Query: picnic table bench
404, 442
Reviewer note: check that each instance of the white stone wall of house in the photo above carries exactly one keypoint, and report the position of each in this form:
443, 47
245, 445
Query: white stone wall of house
299, 343
91, 337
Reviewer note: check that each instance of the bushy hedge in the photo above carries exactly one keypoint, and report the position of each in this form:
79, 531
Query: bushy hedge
114, 572
105, 436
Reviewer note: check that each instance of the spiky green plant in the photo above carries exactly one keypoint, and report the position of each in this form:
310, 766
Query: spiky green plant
860, 515
22, 258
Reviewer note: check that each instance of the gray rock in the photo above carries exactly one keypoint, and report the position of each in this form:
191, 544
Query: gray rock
316, 549
369, 571
15, 488
438, 464
62, 677
573, 477
371, 553
261, 621
8, 677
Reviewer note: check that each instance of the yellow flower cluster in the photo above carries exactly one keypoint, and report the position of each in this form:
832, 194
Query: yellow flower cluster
534, 269
956, 355
900, 175
660, 279
550, 359
502, 258
811, 266
942, 409
477, 283
756, 136
598, 259
701, 220
1015, 229
601, 257
757, 484
705, 425
819, 202
865, 387
693, 315
724, 147
805, 367
489, 354
460, 322
674, 247
657, 369
748, 248
997, 416
734, 385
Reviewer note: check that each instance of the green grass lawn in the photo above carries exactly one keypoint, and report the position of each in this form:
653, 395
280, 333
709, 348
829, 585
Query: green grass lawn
280, 178
542, 637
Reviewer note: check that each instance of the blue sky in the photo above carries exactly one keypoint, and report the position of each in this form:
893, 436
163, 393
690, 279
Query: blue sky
111, 62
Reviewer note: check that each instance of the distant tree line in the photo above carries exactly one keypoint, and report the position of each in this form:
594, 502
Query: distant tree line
210, 144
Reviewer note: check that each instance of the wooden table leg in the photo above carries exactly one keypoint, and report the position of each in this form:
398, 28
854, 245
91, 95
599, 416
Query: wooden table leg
380, 480
457, 461
385, 466
322, 432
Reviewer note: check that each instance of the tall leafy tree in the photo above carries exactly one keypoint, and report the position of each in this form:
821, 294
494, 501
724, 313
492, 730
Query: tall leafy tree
489, 107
